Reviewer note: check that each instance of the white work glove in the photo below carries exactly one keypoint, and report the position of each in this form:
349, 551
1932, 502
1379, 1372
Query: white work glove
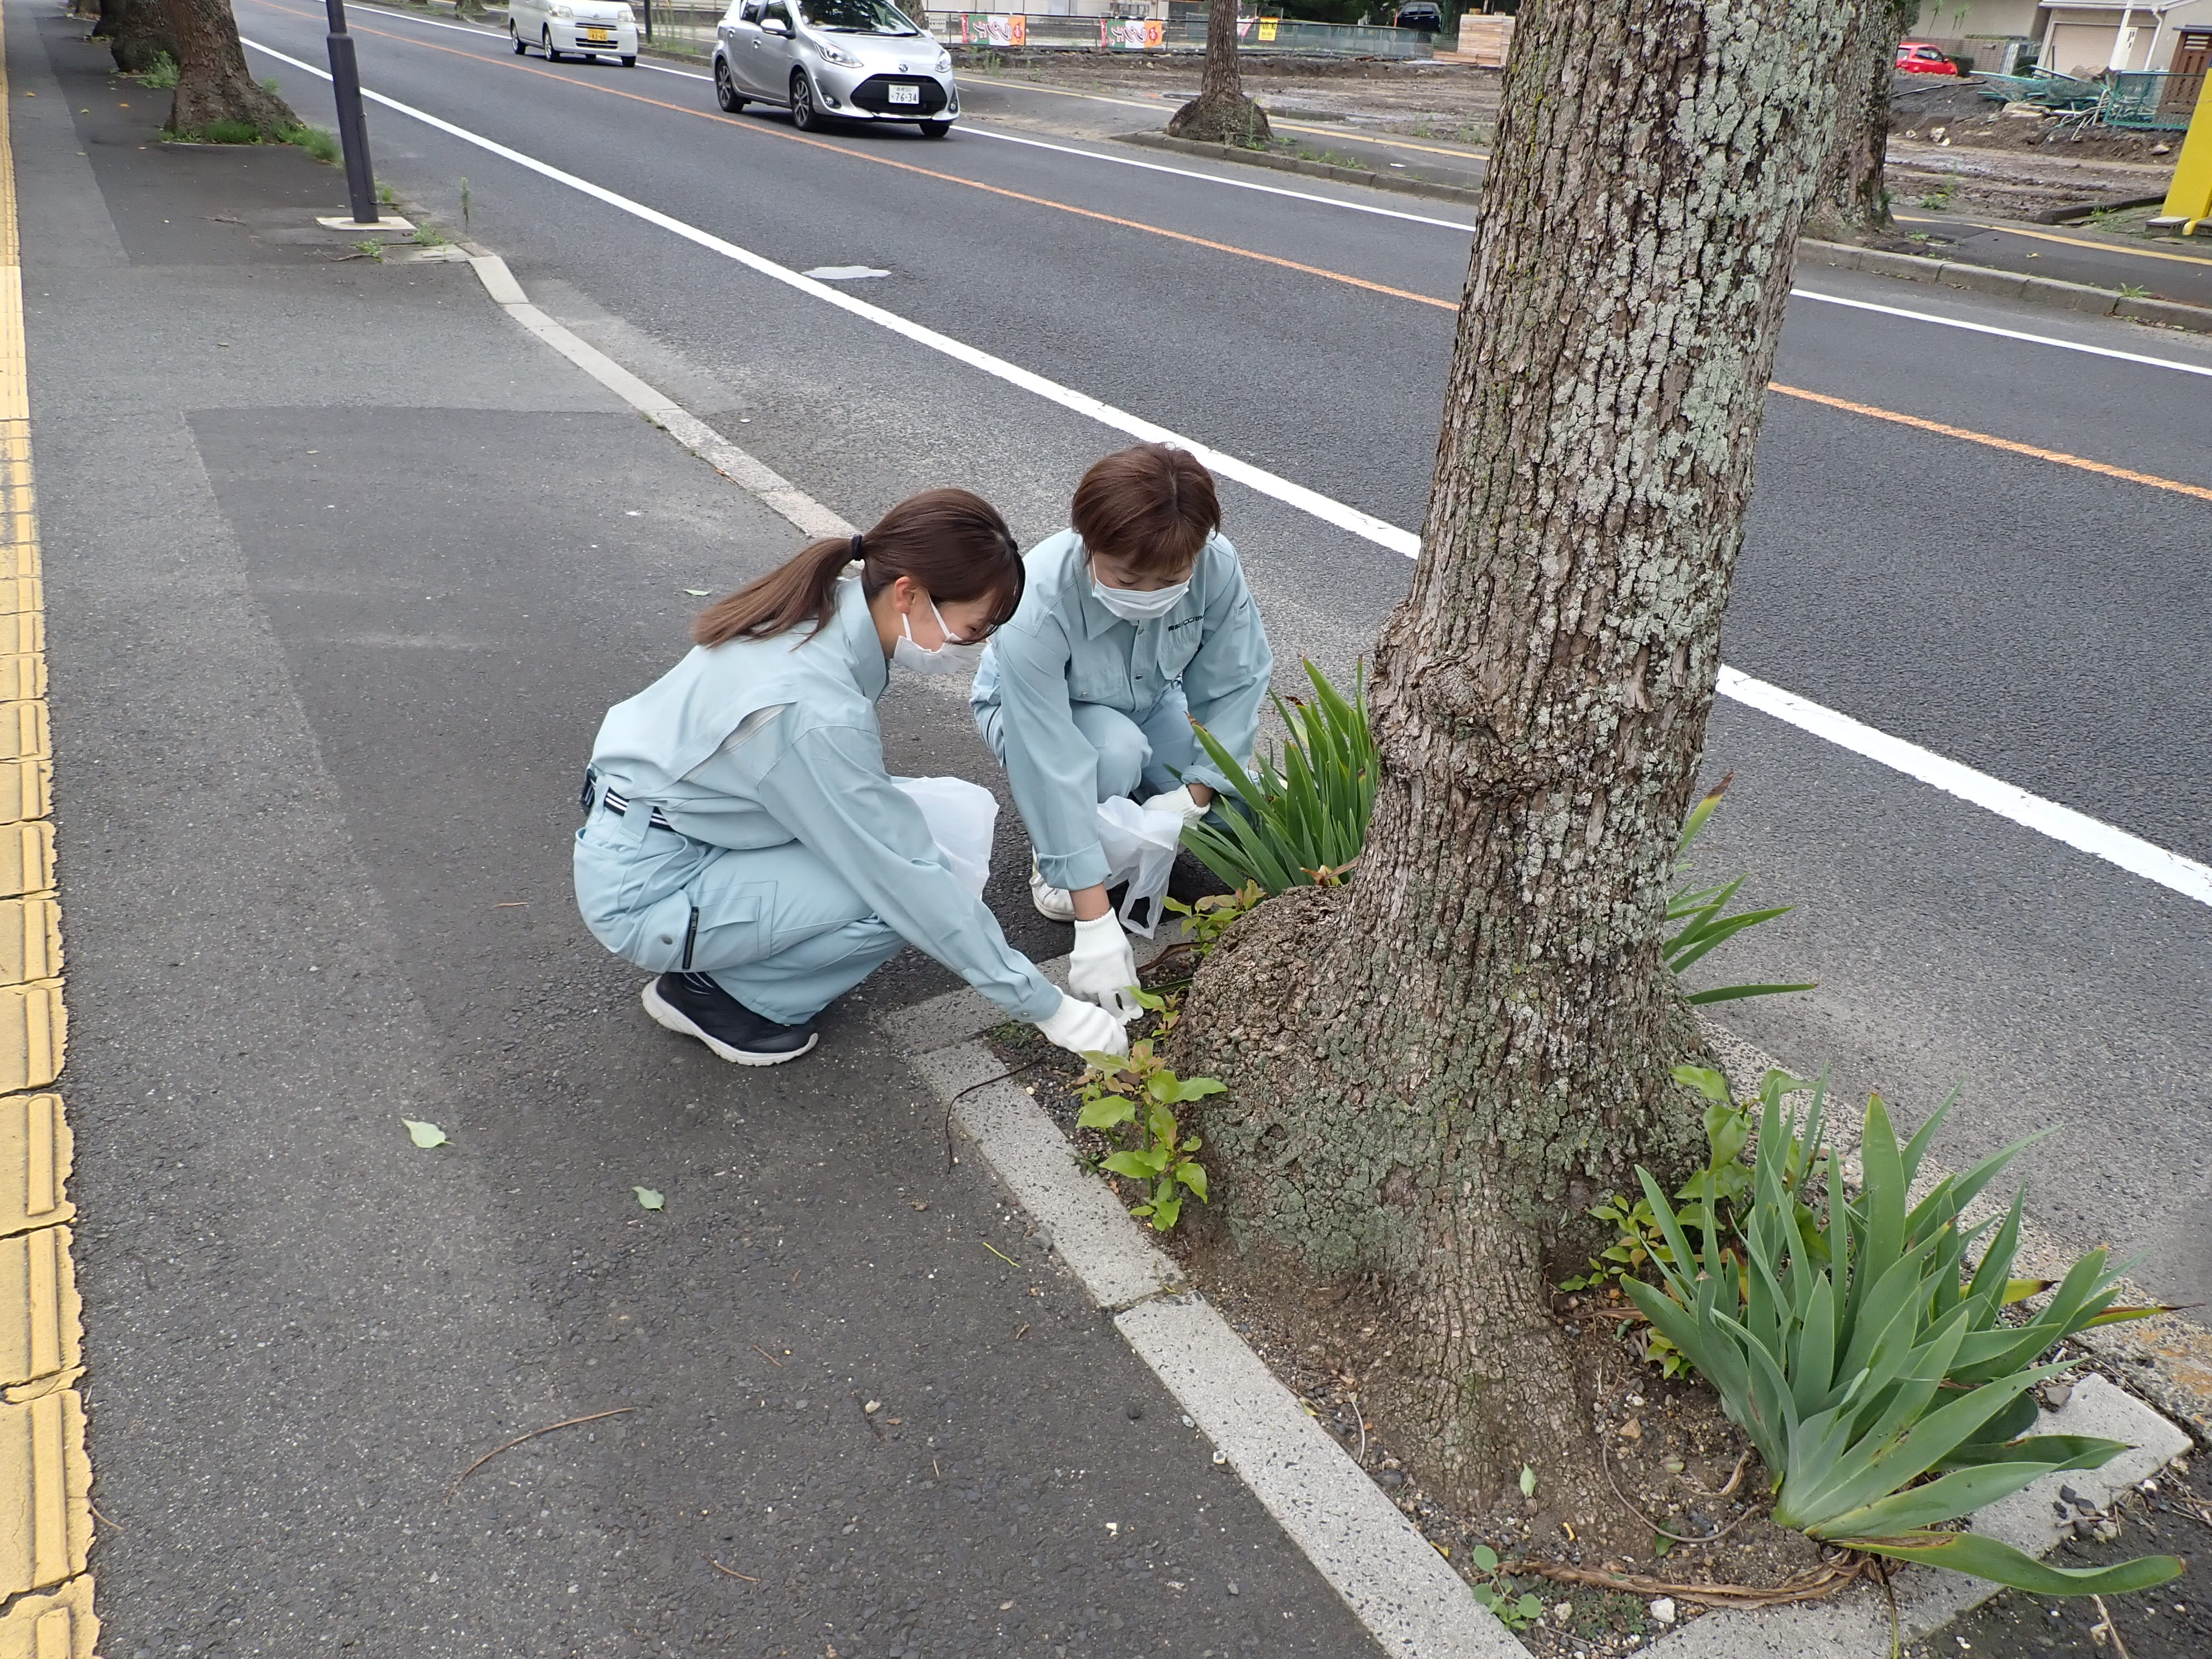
1083, 1027
1179, 802
1102, 968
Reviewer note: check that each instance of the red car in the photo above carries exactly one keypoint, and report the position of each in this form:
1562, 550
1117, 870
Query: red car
1918, 58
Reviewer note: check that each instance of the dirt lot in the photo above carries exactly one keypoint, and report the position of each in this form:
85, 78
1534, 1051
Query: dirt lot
1947, 142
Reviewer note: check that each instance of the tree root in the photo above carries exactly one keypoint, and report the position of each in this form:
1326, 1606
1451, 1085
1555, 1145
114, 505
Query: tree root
1814, 1584
1221, 118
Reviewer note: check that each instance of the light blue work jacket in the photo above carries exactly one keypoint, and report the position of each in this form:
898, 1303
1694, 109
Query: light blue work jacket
1063, 648
758, 743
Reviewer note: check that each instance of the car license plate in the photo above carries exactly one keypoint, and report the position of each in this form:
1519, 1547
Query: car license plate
906, 94
599, 36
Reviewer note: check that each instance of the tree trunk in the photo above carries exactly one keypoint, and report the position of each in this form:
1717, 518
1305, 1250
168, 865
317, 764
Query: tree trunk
1221, 113
1434, 1071
136, 33
1852, 201
212, 82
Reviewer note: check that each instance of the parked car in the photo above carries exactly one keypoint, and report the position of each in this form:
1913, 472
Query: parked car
1918, 58
589, 28
855, 60
1421, 15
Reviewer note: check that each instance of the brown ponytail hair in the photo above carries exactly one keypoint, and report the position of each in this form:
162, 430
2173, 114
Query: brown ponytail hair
951, 541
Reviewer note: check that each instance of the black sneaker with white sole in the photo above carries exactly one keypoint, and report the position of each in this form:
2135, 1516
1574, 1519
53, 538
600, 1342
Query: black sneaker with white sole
695, 1005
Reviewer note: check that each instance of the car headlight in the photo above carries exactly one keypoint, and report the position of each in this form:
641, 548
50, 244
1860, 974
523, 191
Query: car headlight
563, 12
833, 55
627, 16
943, 60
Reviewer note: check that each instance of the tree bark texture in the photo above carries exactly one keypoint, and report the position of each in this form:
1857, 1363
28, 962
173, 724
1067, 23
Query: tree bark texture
1434, 1071
1221, 113
1852, 201
213, 83
136, 32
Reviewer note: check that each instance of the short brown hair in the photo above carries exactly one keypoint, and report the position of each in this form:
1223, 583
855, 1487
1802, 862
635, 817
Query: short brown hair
1151, 507
951, 541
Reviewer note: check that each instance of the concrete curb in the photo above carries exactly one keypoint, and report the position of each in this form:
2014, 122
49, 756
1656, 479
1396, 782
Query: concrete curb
1909, 267
46, 1471
1263, 158
1391, 1577
746, 471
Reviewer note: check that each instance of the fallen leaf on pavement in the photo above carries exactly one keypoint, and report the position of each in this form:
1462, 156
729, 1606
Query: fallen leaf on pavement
650, 1199
426, 1134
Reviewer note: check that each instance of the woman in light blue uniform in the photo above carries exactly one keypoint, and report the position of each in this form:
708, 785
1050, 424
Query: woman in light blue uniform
742, 839
1136, 622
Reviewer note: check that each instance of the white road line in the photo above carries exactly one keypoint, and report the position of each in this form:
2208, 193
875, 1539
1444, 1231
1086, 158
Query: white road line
2184, 875
2170, 870
2003, 333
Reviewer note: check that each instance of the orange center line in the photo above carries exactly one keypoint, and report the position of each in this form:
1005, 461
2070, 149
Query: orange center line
2056, 457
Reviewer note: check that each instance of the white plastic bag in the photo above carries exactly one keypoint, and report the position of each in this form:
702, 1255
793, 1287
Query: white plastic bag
962, 817
1140, 849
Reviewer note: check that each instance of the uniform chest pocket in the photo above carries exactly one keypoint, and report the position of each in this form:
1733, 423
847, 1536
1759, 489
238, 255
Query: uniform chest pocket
1100, 677
1179, 643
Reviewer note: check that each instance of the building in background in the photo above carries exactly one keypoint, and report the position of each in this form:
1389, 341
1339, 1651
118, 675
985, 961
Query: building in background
2080, 37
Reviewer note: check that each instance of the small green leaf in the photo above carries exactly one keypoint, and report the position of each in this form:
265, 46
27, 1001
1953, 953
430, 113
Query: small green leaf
650, 1199
425, 1134
1138, 1166
1527, 1481
1104, 1113
1705, 1081
1485, 1558
1192, 1175
1197, 1088
1529, 1605
1166, 1211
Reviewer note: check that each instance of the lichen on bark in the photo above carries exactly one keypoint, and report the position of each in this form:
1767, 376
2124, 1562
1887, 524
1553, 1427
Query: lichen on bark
1434, 1071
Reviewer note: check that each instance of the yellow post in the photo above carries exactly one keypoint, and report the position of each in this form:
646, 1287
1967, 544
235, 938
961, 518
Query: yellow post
2189, 197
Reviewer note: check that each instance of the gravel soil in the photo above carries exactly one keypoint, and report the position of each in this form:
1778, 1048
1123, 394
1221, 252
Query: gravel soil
2171, 1516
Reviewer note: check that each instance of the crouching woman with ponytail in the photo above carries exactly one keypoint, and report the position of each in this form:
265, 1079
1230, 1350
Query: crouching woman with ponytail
742, 839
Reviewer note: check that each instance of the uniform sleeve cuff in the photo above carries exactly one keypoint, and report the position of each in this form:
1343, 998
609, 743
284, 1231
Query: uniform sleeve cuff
1074, 871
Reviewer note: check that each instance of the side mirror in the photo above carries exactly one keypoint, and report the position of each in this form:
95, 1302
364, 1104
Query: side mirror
776, 25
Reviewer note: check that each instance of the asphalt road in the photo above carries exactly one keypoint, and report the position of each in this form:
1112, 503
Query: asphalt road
2042, 624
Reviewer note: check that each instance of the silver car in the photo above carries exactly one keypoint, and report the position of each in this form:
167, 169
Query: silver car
855, 60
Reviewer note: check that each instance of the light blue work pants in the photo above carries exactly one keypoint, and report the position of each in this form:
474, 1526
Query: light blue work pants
775, 926
1138, 755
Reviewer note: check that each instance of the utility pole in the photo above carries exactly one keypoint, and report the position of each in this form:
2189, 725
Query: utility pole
353, 126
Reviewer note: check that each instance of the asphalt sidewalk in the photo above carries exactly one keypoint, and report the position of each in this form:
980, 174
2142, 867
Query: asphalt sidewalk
342, 567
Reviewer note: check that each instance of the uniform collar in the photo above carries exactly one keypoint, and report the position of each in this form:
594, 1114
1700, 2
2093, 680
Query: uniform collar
856, 626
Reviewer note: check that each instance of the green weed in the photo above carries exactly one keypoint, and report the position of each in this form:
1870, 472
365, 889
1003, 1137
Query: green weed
318, 143
1514, 1609
1132, 1102
161, 74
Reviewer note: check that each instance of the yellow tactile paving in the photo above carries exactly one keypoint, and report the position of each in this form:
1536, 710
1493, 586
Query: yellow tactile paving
35, 1153
30, 940
26, 790
45, 1474
26, 858
41, 1320
23, 675
56, 1627
32, 1030
23, 733
45, 1491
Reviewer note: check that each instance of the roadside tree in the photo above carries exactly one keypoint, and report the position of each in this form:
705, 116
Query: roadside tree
1221, 113
1852, 201
1435, 1069
137, 34
213, 85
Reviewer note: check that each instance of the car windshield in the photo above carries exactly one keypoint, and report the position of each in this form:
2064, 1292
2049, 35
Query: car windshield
855, 17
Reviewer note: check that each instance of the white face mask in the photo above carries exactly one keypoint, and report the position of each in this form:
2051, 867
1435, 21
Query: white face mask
951, 658
1132, 604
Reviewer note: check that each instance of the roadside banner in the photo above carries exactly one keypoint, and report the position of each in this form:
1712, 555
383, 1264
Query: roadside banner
994, 29
1131, 33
